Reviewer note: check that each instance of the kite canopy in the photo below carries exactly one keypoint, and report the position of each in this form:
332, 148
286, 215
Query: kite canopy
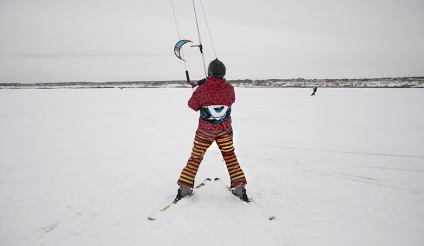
177, 48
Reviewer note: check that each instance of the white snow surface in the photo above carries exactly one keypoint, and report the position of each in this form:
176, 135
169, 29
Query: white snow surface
87, 167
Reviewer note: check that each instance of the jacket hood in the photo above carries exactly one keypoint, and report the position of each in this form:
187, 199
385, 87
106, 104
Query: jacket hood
216, 83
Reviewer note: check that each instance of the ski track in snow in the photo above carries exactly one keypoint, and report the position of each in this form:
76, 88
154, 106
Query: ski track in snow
87, 167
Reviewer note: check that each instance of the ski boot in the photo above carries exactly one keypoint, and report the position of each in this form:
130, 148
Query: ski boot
183, 191
240, 192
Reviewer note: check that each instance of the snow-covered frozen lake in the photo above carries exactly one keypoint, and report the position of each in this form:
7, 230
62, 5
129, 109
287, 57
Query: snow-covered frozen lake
87, 167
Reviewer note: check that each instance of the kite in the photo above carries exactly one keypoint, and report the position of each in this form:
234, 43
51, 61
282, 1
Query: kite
177, 48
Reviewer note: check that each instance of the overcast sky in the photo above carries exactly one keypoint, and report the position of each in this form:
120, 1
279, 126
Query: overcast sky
127, 40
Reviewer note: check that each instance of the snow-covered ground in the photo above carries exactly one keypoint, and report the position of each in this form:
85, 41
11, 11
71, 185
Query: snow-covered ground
87, 167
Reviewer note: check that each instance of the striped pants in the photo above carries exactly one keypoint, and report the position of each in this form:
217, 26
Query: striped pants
202, 141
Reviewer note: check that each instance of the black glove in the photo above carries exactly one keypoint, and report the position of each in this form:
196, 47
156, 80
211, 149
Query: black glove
201, 82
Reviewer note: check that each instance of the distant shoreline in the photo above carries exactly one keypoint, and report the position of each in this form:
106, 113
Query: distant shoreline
396, 82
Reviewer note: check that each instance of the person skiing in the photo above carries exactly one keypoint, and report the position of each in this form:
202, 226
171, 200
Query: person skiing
314, 91
213, 97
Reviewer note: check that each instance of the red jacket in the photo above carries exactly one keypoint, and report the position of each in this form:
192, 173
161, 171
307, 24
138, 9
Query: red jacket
215, 91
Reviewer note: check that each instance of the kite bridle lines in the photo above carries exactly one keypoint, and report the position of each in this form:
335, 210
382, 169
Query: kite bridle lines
177, 49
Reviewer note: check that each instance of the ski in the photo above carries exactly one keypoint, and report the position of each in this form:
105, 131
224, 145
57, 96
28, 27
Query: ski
195, 189
249, 201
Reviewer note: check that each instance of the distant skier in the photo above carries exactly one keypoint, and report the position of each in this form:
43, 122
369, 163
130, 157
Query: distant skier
315, 90
213, 97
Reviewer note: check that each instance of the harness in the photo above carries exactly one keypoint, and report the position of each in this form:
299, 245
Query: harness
215, 113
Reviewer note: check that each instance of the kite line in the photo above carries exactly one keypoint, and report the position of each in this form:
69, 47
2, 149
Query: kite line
178, 51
